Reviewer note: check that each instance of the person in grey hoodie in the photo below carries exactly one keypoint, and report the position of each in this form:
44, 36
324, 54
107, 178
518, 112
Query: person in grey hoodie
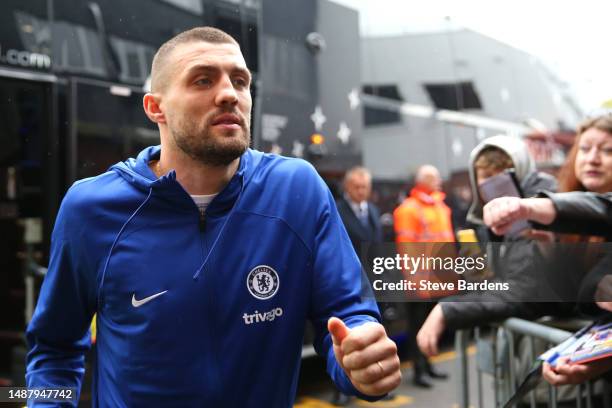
512, 260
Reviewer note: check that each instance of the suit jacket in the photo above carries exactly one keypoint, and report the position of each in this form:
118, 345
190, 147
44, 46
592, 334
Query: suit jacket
358, 233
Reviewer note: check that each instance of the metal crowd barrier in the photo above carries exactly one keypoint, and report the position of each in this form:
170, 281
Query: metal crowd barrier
496, 355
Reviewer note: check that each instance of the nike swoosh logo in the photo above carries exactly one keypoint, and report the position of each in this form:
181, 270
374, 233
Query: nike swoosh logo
138, 303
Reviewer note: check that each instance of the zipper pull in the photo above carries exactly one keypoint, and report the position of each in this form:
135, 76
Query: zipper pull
202, 221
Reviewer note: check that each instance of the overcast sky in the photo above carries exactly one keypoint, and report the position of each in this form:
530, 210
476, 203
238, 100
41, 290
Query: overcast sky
573, 37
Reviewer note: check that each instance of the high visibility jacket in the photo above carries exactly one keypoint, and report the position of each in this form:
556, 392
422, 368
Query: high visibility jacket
423, 217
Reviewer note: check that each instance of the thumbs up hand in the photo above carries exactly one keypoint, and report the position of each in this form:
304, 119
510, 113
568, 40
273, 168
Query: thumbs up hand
367, 356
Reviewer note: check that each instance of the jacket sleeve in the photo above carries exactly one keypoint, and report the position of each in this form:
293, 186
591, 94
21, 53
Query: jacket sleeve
478, 308
484, 309
580, 212
586, 213
519, 267
58, 334
340, 289
489, 309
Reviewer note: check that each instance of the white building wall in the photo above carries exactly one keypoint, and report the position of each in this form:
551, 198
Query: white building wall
512, 86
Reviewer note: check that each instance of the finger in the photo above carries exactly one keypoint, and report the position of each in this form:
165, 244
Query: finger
513, 210
359, 359
422, 342
492, 213
501, 228
427, 342
510, 209
487, 214
550, 376
362, 336
433, 346
382, 386
338, 330
375, 372
563, 369
546, 372
605, 305
572, 369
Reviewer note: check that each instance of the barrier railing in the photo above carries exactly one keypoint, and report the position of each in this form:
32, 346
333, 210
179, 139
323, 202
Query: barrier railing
497, 355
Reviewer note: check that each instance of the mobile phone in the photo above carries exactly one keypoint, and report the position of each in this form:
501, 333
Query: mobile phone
504, 184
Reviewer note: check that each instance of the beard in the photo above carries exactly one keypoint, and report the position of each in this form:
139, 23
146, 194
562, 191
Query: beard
201, 143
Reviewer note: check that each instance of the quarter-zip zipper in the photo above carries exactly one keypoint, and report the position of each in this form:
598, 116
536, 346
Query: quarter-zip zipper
202, 219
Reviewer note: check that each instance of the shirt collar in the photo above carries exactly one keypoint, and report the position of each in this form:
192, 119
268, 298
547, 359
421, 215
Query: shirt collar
357, 208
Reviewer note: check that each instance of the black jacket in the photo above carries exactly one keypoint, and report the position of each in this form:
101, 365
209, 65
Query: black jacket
590, 214
577, 212
515, 261
358, 233
581, 213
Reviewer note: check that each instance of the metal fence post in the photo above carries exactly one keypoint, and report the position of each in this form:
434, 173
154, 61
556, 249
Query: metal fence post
461, 337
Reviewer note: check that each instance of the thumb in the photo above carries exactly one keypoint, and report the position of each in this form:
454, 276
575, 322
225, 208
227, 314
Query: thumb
337, 329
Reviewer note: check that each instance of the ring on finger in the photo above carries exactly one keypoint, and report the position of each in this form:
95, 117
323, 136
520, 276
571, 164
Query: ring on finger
382, 369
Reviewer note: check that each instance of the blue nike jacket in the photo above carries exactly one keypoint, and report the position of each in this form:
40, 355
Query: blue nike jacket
191, 312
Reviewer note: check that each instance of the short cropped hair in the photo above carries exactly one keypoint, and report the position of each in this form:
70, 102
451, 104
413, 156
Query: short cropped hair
357, 171
161, 65
492, 158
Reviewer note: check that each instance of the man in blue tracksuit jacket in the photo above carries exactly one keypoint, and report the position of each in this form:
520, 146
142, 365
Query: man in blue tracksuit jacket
203, 259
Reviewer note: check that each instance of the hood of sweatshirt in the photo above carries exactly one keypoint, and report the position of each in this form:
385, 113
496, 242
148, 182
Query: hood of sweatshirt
530, 180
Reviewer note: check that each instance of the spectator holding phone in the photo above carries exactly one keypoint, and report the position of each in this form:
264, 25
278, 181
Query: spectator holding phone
586, 179
585, 208
490, 158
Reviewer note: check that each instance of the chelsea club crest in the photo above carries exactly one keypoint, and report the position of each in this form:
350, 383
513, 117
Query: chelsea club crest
262, 282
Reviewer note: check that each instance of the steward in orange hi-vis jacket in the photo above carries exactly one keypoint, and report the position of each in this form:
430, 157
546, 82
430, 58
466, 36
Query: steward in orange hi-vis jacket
423, 217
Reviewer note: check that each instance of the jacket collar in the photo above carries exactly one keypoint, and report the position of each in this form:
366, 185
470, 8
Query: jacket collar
137, 173
425, 197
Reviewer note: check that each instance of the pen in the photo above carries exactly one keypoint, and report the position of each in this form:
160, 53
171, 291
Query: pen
569, 341
550, 360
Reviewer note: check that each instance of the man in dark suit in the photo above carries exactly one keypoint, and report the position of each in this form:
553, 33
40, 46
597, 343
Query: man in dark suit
361, 219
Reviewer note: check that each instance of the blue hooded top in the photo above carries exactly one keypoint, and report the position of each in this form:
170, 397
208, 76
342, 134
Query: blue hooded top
191, 313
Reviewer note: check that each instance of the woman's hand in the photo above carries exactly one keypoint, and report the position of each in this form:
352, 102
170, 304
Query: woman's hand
566, 372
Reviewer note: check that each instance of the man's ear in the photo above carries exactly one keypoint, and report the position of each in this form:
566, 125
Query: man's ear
150, 103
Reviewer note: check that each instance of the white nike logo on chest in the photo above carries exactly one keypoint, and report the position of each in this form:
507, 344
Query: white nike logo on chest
138, 303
